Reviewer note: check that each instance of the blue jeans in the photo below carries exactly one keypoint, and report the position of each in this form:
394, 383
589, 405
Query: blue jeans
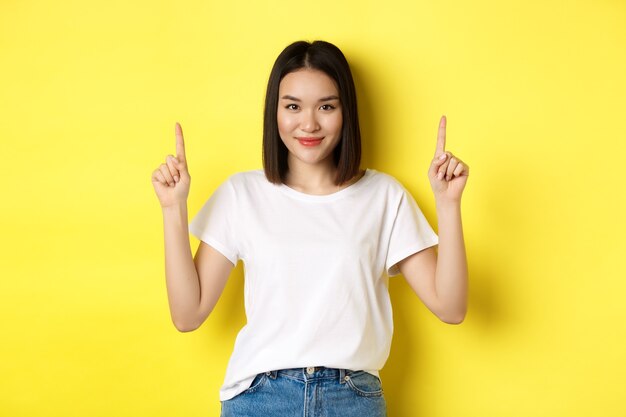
309, 392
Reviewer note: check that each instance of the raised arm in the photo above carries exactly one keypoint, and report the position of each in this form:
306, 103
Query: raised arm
441, 280
193, 286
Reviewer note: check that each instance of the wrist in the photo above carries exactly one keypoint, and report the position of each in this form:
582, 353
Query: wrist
447, 205
177, 208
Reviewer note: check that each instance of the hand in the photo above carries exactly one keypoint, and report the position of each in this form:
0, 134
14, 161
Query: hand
171, 180
447, 173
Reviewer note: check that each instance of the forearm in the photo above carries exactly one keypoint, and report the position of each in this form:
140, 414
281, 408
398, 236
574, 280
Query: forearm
183, 287
451, 276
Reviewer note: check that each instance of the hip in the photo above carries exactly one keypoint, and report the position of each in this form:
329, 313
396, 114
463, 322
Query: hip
310, 392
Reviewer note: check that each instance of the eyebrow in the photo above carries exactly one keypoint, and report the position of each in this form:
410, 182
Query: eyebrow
327, 98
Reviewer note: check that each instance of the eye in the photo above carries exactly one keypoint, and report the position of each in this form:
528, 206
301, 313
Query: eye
327, 107
291, 106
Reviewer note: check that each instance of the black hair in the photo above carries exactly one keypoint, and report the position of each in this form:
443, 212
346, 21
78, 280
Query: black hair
325, 57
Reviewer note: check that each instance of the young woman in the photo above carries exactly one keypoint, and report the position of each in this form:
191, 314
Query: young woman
319, 239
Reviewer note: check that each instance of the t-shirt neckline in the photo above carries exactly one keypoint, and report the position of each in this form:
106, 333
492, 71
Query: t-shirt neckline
328, 197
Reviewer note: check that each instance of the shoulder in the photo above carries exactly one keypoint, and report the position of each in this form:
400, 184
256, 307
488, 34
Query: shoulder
246, 177
252, 183
384, 181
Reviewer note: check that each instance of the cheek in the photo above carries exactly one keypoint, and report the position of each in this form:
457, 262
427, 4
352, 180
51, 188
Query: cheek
285, 122
337, 123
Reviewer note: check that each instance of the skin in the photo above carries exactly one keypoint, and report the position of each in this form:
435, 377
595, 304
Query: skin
194, 284
440, 279
309, 107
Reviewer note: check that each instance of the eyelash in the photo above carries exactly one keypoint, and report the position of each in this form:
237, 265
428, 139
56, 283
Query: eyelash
331, 107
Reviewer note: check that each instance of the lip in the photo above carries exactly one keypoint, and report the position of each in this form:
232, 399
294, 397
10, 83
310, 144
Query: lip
309, 141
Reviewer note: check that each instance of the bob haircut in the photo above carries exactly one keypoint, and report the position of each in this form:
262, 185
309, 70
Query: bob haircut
325, 57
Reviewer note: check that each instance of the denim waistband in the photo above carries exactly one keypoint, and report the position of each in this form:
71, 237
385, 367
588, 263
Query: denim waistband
312, 373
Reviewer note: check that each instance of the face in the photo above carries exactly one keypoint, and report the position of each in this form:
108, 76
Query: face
309, 117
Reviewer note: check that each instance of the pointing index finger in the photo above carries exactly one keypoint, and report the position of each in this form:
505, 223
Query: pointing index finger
441, 137
180, 143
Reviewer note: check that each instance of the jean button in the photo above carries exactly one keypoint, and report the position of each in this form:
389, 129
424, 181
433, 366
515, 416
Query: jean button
310, 370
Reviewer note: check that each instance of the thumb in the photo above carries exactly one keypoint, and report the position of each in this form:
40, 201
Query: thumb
436, 163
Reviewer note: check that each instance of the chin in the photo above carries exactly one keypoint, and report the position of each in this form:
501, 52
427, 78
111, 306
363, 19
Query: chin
310, 161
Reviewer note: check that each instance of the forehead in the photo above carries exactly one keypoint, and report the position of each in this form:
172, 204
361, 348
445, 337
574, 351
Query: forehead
307, 82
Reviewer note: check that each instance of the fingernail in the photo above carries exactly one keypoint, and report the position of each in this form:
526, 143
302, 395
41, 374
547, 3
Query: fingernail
440, 175
176, 178
443, 156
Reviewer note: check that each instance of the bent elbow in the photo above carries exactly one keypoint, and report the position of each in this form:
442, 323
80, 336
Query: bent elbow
185, 327
453, 319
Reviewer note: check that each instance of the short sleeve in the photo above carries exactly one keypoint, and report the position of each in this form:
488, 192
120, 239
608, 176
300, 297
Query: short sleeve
410, 233
215, 223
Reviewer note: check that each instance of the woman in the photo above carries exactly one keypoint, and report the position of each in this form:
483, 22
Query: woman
319, 239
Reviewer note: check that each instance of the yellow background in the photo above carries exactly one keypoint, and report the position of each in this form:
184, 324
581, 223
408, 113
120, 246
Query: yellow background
535, 95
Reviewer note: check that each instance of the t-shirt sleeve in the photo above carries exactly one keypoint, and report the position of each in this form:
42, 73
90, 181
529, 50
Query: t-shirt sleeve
410, 233
215, 223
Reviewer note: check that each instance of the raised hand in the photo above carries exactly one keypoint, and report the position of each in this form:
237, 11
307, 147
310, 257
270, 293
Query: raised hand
171, 180
447, 173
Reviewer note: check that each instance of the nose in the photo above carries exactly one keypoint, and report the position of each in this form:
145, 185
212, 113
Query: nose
309, 121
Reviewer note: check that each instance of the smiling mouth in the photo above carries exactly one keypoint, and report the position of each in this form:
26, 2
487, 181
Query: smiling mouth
309, 141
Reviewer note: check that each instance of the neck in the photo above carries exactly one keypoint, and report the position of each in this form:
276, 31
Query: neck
311, 177
318, 179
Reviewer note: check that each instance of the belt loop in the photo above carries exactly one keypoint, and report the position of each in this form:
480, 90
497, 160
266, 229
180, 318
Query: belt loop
342, 374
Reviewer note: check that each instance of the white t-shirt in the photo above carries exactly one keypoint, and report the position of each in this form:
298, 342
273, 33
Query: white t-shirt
317, 270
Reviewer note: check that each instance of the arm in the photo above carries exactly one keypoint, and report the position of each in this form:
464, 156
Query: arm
193, 285
441, 281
